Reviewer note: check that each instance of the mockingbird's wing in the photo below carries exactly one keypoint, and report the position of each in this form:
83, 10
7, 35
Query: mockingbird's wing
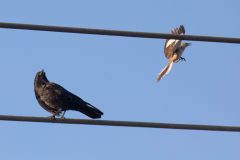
171, 45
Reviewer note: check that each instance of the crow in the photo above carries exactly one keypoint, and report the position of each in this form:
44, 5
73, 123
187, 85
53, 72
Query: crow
57, 100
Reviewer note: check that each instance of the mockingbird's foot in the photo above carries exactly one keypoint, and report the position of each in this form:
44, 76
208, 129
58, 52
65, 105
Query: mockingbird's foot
181, 59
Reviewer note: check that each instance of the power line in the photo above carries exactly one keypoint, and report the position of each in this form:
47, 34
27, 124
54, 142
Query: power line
122, 123
117, 32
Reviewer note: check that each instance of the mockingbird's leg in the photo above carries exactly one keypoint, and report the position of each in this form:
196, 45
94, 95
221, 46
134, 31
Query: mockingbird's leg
181, 59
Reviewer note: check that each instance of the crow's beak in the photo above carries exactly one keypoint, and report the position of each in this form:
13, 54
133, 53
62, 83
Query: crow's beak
41, 72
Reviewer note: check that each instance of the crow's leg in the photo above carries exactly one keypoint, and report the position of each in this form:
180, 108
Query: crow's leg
62, 117
52, 117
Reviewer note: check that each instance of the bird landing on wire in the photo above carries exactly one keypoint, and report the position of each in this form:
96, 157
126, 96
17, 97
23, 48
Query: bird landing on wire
173, 50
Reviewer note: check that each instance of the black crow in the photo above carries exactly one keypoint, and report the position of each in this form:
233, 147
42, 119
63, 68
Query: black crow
56, 100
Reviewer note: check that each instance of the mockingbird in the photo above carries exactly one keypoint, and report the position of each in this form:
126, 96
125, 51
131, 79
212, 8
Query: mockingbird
55, 99
173, 50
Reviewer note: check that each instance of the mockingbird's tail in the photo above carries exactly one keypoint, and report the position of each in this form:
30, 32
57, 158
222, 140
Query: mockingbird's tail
165, 70
168, 67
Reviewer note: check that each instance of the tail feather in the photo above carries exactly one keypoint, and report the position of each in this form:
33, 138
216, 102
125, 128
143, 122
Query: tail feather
165, 70
90, 111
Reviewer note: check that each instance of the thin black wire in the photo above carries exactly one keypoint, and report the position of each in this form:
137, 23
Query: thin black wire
122, 123
117, 32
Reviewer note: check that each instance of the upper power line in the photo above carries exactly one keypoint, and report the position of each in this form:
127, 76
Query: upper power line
117, 32
122, 123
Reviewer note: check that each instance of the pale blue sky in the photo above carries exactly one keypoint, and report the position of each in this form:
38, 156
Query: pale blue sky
118, 75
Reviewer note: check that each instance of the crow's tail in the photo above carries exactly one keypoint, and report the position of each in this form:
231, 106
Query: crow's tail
90, 110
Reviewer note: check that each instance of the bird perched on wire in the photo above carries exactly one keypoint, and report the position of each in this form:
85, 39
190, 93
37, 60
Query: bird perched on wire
173, 50
56, 100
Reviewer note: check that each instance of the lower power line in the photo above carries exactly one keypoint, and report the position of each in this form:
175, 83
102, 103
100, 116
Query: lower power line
122, 123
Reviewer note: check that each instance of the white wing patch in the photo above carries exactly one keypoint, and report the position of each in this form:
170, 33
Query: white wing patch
172, 41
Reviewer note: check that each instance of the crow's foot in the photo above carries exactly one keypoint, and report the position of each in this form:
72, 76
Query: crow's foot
52, 117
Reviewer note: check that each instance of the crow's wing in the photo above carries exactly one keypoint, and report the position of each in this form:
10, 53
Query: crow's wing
58, 97
61, 98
